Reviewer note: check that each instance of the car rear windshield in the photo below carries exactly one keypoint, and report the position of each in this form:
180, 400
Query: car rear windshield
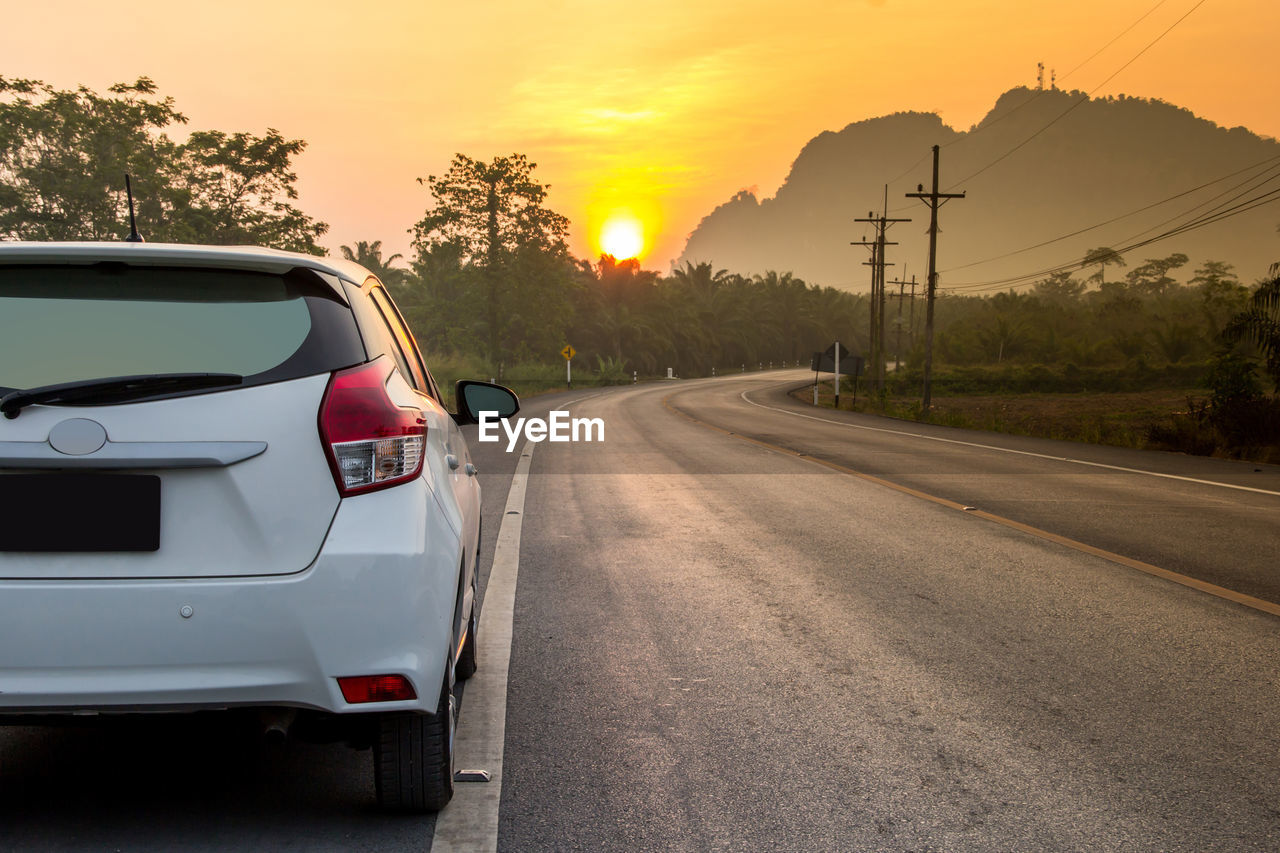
71, 323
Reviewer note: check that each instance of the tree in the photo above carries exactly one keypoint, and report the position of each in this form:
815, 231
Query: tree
1103, 257
702, 277
1222, 296
1260, 324
64, 154
1060, 287
368, 254
236, 188
1003, 335
1152, 277
787, 299
493, 216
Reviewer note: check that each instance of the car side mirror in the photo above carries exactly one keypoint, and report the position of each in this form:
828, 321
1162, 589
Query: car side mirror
476, 397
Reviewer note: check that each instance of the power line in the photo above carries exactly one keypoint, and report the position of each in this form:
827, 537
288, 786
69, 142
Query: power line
1266, 198
1115, 219
970, 134
1029, 101
1082, 100
1191, 225
1122, 34
1258, 185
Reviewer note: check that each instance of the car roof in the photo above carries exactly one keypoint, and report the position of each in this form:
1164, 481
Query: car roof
178, 254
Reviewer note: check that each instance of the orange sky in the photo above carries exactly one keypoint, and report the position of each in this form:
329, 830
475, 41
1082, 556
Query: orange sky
662, 108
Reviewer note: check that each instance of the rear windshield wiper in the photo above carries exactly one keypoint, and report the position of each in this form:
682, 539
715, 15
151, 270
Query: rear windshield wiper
113, 388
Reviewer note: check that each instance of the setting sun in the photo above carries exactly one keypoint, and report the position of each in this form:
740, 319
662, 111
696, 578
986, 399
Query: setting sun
623, 238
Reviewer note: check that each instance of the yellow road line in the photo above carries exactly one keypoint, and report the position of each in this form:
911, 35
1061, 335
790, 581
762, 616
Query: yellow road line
1193, 583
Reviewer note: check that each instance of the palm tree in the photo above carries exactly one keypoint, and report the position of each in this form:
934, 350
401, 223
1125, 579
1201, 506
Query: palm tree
369, 255
788, 302
699, 277
1260, 323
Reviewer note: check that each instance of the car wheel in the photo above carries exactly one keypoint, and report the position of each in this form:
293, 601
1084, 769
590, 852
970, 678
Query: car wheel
467, 662
413, 758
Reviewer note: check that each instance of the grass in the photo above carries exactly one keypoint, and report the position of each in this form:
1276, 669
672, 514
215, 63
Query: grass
1123, 419
526, 379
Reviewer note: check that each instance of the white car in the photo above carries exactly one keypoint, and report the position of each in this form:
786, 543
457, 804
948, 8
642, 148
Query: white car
228, 481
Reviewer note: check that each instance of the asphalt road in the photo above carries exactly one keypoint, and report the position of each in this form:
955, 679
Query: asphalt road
719, 646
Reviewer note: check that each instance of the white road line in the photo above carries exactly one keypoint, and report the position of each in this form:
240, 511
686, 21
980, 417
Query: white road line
469, 824
580, 399
745, 399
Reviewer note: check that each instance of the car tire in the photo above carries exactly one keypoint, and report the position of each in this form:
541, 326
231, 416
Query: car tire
467, 661
413, 758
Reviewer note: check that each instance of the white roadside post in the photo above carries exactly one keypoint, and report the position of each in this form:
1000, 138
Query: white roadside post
837, 365
815, 364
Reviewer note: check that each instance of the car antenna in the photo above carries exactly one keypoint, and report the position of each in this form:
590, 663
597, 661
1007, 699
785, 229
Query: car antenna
134, 236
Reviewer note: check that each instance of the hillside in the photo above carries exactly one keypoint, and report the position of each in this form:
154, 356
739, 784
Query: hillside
1105, 158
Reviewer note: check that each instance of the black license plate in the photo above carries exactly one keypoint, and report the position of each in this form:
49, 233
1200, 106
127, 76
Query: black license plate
79, 512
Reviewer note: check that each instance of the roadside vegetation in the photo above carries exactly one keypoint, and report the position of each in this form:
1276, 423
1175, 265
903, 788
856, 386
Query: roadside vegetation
1191, 367
1143, 352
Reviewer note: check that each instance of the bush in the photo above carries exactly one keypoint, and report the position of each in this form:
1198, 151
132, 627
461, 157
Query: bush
611, 371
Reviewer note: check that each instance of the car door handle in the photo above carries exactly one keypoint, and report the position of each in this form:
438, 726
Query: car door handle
453, 462
472, 470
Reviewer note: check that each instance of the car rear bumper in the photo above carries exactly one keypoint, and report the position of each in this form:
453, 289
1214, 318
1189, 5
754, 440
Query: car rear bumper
377, 602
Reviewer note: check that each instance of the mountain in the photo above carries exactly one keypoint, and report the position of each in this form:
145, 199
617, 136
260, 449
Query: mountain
1088, 161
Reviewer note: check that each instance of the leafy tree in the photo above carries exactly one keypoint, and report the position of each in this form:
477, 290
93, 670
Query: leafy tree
493, 217
542, 290
1102, 257
1060, 287
64, 154
1152, 277
237, 188
1214, 275
1221, 294
1176, 341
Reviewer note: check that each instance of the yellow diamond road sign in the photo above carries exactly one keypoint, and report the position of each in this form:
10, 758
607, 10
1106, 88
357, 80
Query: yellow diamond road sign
568, 352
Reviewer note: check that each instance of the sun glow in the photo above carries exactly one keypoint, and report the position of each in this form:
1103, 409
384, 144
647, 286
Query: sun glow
622, 237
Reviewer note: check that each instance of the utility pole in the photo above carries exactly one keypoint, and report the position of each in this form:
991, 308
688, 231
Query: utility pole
911, 324
935, 200
874, 333
911, 320
897, 356
877, 263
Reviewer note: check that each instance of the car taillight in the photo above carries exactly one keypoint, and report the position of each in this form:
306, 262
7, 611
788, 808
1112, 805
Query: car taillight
371, 442
360, 689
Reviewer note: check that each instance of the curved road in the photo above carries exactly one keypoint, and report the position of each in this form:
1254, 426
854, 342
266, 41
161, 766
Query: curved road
723, 647
718, 645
